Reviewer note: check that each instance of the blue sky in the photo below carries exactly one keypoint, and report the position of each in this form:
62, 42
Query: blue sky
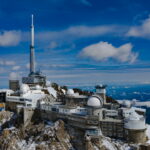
77, 42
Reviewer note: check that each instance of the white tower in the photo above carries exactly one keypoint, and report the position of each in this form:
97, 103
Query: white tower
101, 90
32, 57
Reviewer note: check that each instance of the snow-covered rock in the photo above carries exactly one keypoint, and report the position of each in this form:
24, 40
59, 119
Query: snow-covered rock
38, 136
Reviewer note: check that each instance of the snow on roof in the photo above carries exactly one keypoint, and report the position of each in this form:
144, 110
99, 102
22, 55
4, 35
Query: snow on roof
137, 103
133, 109
147, 104
6, 90
134, 116
139, 109
52, 91
34, 96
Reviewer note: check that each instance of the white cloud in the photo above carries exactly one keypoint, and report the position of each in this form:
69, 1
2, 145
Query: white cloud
85, 31
76, 32
103, 51
7, 62
27, 65
53, 45
15, 67
10, 38
142, 30
93, 77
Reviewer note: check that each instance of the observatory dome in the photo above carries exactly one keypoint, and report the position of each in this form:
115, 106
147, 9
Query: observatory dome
48, 83
126, 103
135, 121
38, 87
95, 101
24, 88
70, 92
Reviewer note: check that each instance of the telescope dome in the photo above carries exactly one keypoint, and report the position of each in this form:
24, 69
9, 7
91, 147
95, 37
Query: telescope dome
126, 103
24, 88
70, 92
95, 101
38, 87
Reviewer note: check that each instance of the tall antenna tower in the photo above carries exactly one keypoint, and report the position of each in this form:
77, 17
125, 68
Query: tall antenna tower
32, 56
34, 78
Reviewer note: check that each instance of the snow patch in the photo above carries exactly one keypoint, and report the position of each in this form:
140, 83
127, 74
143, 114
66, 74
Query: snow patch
108, 145
135, 102
52, 91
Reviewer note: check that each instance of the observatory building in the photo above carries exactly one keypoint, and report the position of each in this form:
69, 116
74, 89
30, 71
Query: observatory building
93, 112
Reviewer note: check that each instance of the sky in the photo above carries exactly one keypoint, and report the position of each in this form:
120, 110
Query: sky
77, 42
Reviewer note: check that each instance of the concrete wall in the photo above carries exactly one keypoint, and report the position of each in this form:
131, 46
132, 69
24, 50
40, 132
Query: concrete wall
28, 115
112, 129
109, 128
135, 136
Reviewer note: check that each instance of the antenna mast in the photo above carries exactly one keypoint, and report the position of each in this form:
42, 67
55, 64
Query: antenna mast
32, 56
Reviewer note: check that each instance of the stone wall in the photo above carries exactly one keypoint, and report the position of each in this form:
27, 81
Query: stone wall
112, 129
135, 136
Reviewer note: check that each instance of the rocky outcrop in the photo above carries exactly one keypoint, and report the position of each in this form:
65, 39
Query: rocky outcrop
105, 143
5, 116
36, 137
45, 135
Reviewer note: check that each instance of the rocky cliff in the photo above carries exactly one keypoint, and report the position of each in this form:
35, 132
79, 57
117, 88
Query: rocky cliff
36, 137
46, 135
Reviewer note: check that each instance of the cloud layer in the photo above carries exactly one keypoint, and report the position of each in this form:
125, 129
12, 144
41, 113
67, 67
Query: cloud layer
7, 62
103, 51
70, 34
10, 38
75, 32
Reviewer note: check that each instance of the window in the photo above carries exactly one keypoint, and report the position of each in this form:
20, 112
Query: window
21, 99
53, 109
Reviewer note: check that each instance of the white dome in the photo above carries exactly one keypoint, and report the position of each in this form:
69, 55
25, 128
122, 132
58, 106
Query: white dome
24, 88
70, 92
48, 83
95, 101
126, 103
38, 87
135, 121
